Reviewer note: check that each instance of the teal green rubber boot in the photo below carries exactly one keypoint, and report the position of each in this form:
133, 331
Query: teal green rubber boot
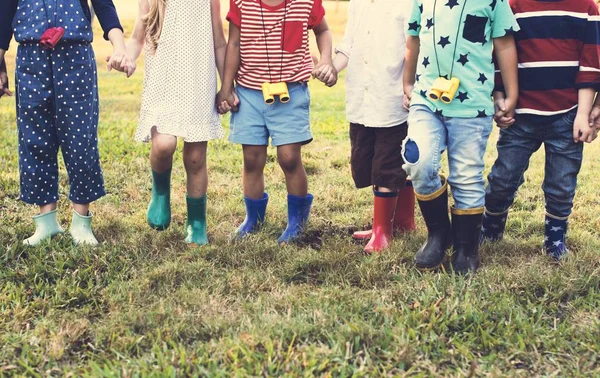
195, 228
46, 226
81, 229
159, 209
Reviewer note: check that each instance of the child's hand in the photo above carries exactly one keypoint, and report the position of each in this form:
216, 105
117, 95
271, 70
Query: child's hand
121, 62
4, 80
227, 101
582, 130
504, 111
407, 96
325, 72
595, 117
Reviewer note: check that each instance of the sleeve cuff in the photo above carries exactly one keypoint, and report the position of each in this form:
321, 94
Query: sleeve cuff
234, 19
342, 50
110, 27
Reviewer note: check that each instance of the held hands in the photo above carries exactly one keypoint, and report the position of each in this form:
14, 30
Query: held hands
504, 111
583, 129
121, 62
325, 72
408, 90
227, 101
4, 80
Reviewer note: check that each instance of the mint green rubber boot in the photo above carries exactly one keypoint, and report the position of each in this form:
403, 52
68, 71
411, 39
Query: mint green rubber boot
46, 226
81, 229
159, 209
196, 221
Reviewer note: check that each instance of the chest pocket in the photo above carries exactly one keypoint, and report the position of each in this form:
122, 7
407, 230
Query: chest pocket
292, 36
474, 29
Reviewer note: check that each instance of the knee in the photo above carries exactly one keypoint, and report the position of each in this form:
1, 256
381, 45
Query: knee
289, 163
254, 162
194, 162
163, 148
417, 163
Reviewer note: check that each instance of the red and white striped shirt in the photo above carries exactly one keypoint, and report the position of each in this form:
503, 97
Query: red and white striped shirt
274, 44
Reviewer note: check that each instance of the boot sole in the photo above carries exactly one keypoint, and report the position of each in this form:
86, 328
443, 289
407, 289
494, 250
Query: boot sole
445, 260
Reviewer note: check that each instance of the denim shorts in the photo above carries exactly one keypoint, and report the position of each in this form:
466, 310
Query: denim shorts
255, 121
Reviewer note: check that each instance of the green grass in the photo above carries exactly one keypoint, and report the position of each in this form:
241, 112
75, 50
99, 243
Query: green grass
146, 304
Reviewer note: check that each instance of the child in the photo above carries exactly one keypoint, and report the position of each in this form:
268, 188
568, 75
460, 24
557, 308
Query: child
451, 42
373, 50
268, 44
559, 71
185, 46
57, 104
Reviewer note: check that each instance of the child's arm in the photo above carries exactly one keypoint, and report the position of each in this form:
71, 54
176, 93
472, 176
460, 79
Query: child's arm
413, 46
344, 50
506, 55
137, 40
582, 130
113, 31
324, 70
218, 37
595, 114
226, 98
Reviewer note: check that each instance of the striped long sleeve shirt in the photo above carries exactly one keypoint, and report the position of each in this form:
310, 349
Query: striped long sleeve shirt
559, 53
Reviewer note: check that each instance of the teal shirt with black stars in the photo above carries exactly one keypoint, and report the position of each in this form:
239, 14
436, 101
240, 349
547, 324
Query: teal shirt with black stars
477, 23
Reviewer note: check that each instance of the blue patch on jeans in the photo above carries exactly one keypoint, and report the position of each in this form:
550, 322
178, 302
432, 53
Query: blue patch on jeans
411, 152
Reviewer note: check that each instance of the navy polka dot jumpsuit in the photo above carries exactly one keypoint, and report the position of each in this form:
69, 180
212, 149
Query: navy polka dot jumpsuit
57, 103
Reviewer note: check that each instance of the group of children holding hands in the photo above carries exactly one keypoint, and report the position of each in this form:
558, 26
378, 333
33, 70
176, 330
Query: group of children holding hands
423, 77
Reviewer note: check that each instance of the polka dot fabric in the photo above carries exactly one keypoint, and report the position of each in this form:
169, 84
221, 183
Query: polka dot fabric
180, 81
57, 108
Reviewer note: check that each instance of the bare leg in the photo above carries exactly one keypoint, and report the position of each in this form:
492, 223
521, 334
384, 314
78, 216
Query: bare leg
161, 154
194, 160
290, 160
253, 178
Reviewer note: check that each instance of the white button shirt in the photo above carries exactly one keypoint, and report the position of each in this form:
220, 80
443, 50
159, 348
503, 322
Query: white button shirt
375, 44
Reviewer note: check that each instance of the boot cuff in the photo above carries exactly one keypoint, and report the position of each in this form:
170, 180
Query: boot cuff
436, 194
475, 211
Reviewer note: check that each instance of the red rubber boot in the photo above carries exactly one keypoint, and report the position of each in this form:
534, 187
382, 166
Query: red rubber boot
383, 218
404, 217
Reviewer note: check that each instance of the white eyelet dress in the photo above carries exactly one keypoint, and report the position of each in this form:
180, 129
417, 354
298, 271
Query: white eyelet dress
180, 81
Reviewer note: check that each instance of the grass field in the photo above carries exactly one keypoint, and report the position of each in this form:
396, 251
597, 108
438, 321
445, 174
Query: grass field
146, 304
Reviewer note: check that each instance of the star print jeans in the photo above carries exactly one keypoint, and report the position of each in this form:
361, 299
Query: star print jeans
515, 147
465, 139
57, 107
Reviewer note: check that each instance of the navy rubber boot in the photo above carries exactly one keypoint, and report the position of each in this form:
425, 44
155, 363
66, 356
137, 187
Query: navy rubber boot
493, 226
298, 213
554, 239
255, 216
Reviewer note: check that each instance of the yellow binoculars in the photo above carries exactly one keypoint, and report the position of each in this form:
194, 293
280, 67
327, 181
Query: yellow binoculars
444, 89
270, 90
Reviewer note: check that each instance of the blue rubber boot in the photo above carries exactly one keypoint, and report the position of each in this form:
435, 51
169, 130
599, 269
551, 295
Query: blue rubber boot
195, 227
159, 209
554, 239
493, 226
298, 213
255, 216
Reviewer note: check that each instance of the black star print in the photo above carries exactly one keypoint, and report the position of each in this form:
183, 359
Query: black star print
439, 112
421, 8
418, 77
462, 96
429, 23
509, 31
482, 78
413, 26
452, 3
493, 4
445, 76
481, 113
423, 93
444, 41
426, 61
464, 59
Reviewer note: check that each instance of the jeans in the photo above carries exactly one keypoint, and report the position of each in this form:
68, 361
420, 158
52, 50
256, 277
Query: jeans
465, 139
515, 147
